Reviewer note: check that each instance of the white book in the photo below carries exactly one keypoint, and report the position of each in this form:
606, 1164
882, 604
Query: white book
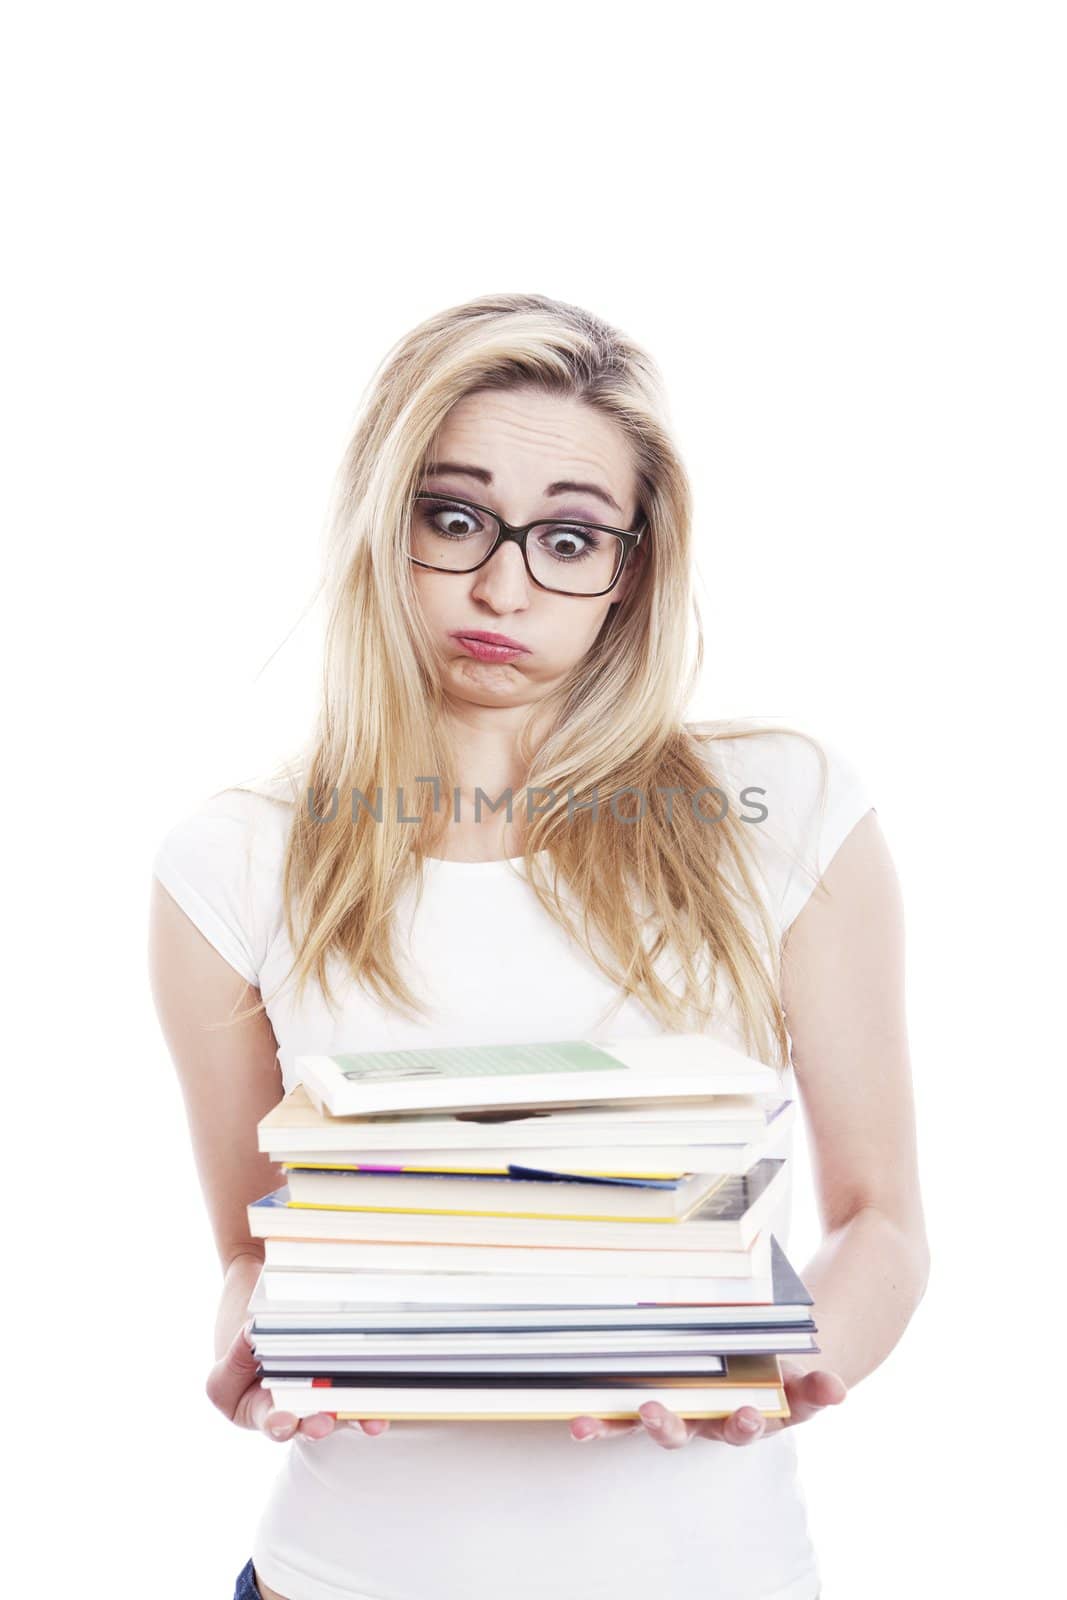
529, 1366
296, 1126
789, 1304
384, 1256
556, 1072
292, 1284
288, 1351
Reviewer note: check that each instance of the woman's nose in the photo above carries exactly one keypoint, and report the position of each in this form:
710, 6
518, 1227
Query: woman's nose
503, 581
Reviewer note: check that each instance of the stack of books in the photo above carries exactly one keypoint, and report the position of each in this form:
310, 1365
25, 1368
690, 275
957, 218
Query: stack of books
527, 1232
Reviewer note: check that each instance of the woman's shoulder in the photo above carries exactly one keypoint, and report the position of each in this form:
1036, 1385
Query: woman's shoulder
799, 792
256, 813
793, 763
222, 860
231, 841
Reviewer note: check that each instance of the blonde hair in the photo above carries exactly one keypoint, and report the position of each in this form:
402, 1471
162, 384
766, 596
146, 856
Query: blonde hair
615, 722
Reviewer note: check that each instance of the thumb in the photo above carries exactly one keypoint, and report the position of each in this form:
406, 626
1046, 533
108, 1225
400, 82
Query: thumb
233, 1376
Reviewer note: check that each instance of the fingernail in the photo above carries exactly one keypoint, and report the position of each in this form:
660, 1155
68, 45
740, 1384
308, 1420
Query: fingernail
654, 1421
584, 1435
749, 1424
281, 1430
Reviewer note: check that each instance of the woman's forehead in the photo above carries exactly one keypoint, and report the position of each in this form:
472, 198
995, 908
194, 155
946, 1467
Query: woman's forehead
514, 439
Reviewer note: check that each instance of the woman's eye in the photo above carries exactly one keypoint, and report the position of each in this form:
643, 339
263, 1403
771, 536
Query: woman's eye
453, 522
569, 544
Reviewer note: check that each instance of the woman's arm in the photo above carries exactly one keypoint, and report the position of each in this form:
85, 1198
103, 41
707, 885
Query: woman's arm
230, 1079
843, 993
229, 1076
240, 1280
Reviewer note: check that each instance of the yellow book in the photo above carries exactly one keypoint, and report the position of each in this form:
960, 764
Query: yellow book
752, 1380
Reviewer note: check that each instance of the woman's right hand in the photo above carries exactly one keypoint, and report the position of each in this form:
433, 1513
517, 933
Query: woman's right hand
235, 1387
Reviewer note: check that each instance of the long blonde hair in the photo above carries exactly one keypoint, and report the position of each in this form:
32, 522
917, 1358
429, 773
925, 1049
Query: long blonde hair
614, 725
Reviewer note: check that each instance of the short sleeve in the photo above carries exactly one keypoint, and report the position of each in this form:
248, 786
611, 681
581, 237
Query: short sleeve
809, 812
221, 864
825, 818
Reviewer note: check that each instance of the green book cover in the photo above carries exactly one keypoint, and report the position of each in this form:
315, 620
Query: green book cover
476, 1061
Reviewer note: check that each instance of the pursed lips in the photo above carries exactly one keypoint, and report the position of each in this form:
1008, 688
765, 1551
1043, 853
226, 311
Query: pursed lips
499, 640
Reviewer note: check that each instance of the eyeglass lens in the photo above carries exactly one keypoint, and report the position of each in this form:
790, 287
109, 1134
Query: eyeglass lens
454, 537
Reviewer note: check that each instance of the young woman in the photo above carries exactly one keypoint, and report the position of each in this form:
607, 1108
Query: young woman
617, 896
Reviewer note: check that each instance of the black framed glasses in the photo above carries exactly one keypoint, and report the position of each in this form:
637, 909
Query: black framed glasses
564, 556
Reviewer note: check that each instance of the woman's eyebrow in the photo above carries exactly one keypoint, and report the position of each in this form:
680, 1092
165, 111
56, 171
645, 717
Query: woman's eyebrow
562, 486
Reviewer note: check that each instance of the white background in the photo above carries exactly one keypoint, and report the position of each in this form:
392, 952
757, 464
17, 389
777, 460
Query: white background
839, 229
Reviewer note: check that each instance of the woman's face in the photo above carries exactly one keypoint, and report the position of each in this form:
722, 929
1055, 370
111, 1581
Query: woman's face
517, 445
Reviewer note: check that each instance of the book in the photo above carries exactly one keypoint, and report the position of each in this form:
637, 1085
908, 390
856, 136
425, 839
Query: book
653, 1161
788, 1306
576, 1136
748, 1380
730, 1217
530, 1365
558, 1072
287, 1351
335, 1255
512, 1289
488, 1195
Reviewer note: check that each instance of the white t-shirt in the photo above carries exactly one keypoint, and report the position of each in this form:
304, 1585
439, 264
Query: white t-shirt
465, 1511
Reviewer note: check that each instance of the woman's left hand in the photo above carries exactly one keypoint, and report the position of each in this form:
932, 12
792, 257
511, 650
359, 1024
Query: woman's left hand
807, 1393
